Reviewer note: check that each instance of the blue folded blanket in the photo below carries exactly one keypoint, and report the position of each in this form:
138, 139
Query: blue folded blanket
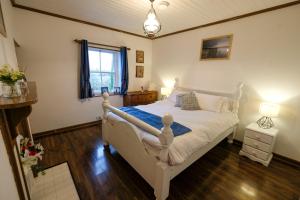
154, 120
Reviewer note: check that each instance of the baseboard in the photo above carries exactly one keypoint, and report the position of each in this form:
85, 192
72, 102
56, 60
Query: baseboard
65, 129
277, 157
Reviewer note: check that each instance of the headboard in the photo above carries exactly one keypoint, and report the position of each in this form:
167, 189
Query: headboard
235, 96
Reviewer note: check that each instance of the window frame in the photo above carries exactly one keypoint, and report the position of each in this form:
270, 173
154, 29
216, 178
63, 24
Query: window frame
98, 93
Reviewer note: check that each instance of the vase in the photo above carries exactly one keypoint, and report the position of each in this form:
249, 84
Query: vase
11, 90
29, 161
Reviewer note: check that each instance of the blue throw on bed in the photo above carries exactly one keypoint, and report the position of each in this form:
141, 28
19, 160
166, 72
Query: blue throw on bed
154, 120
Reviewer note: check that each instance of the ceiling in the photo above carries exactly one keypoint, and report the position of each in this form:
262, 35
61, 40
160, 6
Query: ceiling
129, 15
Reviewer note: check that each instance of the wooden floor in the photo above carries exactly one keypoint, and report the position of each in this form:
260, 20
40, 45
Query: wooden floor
220, 174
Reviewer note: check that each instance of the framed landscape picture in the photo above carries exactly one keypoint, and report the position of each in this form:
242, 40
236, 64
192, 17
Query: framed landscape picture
216, 48
139, 71
139, 56
2, 26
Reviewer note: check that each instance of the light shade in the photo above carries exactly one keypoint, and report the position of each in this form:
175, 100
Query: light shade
269, 109
165, 91
151, 25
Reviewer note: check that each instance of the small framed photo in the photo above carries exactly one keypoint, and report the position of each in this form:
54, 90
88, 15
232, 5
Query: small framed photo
139, 56
104, 89
2, 25
117, 90
216, 48
139, 71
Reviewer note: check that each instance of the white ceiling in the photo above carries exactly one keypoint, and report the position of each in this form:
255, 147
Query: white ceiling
129, 15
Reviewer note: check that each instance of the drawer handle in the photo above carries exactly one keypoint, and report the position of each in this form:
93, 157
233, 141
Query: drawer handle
256, 145
253, 153
257, 137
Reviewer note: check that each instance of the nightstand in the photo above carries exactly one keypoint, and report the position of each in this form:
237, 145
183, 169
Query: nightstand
259, 143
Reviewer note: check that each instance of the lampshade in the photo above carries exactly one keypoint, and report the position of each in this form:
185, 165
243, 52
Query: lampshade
165, 91
151, 25
269, 109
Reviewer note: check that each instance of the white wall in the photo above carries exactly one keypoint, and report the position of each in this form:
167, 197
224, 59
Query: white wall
265, 55
52, 60
8, 188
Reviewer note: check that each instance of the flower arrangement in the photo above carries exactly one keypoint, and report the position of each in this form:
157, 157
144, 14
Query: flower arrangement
30, 154
10, 76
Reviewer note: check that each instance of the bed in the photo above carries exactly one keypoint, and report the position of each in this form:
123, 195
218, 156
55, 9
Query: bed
156, 154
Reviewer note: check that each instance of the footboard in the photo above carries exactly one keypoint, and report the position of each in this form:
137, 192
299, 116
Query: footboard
124, 137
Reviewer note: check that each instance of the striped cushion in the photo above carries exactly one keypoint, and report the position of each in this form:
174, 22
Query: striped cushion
179, 100
189, 102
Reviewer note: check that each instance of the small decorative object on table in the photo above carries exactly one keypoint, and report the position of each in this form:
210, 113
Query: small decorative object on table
9, 78
142, 89
30, 154
117, 90
104, 89
258, 143
267, 110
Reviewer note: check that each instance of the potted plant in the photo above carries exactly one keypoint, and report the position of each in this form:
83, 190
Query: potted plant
9, 78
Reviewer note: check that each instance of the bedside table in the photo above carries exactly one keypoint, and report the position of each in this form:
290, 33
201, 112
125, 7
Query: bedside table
258, 143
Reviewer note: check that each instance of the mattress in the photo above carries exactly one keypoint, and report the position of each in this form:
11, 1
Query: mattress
205, 126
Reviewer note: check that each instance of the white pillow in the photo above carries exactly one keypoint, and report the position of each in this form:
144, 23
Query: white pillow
174, 93
226, 105
209, 102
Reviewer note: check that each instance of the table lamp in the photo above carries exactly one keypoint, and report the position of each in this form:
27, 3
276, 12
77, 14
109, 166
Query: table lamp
165, 92
267, 110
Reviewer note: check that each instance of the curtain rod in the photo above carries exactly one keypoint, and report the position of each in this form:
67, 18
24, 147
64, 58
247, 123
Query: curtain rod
99, 44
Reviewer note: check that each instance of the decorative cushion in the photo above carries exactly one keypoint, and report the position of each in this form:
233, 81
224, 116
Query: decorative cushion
179, 100
174, 93
209, 102
189, 102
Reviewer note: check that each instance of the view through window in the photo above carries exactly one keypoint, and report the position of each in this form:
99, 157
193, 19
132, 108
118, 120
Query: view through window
105, 70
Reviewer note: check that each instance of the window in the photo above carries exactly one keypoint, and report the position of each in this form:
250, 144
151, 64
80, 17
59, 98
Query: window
105, 70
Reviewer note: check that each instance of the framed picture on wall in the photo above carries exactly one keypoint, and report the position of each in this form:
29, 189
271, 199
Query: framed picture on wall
139, 56
117, 90
139, 71
104, 89
216, 48
2, 25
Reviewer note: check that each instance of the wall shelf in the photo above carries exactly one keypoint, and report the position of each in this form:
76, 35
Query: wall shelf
13, 121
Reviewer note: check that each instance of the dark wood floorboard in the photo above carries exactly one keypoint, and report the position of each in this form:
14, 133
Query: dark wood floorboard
220, 174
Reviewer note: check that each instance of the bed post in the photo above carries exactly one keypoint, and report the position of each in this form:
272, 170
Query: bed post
104, 119
162, 172
235, 110
166, 137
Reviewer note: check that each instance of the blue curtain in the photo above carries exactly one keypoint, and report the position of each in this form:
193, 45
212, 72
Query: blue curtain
124, 70
85, 86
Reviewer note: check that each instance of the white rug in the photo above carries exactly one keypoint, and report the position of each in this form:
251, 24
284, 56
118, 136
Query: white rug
56, 184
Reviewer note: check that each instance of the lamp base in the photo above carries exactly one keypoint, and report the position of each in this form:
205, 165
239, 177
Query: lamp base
265, 122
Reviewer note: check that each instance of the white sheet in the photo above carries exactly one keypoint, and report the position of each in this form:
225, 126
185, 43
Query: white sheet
205, 126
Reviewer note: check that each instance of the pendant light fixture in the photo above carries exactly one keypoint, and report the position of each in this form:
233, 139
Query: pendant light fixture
151, 25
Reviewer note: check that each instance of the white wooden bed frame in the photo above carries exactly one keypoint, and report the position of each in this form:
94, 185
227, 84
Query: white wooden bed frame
157, 172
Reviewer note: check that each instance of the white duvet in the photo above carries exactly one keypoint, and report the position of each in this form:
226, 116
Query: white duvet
205, 126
